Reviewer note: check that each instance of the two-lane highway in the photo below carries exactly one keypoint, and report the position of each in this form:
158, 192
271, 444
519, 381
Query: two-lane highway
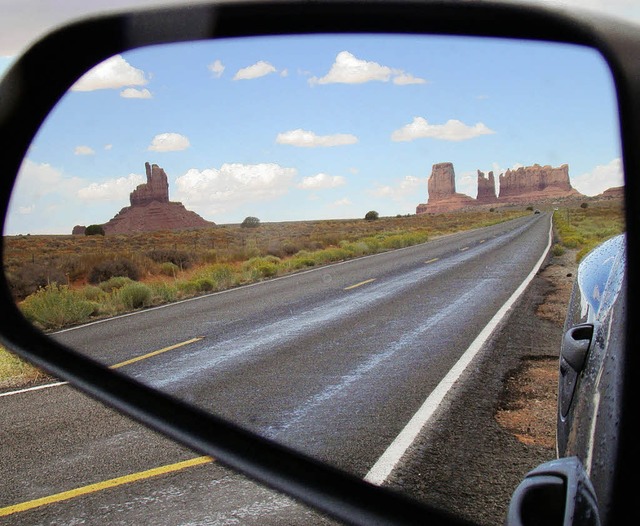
335, 362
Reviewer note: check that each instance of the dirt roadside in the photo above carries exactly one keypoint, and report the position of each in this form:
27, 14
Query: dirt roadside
500, 422
528, 402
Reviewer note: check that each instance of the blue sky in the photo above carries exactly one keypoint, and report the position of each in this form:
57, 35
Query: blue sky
311, 128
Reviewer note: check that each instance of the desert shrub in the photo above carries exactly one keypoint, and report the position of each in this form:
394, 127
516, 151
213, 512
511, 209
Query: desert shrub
187, 288
117, 282
169, 269
262, 267
134, 295
114, 267
180, 258
223, 274
30, 277
572, 241
290, 248
94, 230
301, 260
163, 292
584, 205
56, 306
530, 208
205, 284
557, 250
357, 248
334, 254
371, 215
92, 293
250, 222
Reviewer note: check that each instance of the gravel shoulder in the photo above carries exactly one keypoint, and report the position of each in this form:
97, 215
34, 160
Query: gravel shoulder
500, 422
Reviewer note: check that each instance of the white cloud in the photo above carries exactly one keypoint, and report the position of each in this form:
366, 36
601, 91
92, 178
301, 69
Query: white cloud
217, 68
467, 184
408, 187
113, 73
345, 201
26, 210
405, 79
257, 70
110, 190
108, 147
133, 93
216, 190
452, 130
40, 182
600, 178
169, 142
322, 181
347, 69
308, 139
83, 150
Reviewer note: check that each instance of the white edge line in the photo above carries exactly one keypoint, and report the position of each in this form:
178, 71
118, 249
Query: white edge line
381, 470
29, 389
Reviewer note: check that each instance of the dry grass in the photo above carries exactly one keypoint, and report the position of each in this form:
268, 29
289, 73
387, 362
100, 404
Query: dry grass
582, 228
175, 265
15, 372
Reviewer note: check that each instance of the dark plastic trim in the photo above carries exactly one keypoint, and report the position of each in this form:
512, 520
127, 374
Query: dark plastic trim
25, 101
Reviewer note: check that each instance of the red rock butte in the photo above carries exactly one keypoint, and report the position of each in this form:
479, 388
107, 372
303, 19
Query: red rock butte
523, 185
151, 209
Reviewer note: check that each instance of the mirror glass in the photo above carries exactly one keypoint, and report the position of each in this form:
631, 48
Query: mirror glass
322, 238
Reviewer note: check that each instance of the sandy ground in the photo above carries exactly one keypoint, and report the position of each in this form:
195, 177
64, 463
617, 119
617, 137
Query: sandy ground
528, 402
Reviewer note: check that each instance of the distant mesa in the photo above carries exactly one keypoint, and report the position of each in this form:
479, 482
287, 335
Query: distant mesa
616, 192
442, 192
522, 185
536, 183
151, 209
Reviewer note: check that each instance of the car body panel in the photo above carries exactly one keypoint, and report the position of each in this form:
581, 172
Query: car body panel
589, 398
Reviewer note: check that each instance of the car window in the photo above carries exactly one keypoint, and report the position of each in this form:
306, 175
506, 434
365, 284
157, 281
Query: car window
356, 246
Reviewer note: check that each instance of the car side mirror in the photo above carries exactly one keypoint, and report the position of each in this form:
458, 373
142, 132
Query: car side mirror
26, 101
556, 493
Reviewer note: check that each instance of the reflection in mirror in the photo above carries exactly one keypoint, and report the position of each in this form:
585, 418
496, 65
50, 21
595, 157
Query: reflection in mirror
314, 236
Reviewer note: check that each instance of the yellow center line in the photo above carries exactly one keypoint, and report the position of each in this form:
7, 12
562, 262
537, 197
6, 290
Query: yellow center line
359, 284
154, 353
431, 261
99, 486
464, 248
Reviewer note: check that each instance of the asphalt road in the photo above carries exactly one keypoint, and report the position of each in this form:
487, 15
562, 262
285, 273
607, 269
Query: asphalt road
333, 361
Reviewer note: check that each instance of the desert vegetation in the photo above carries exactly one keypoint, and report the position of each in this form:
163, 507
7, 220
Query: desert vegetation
65, 280
582, 228
59, 281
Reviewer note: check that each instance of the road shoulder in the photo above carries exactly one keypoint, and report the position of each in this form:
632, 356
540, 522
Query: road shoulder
500, 421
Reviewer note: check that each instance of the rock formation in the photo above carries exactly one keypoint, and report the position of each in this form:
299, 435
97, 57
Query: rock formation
486, 188
523, 185
535, 183
442, 192
151, 209
442, 182
617, 192
155, 189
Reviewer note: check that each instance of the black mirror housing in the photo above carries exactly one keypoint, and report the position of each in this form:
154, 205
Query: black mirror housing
25, 102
